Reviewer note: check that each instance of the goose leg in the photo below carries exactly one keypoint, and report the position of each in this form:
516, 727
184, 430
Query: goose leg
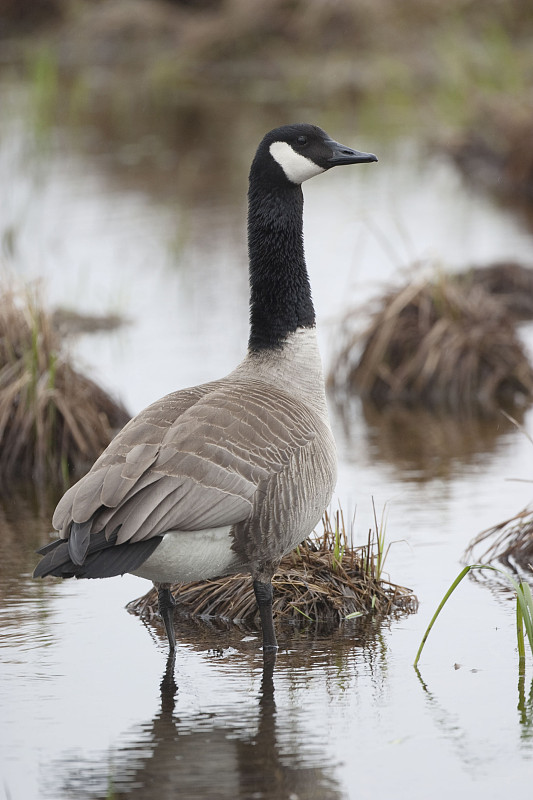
263, 595
168, 685
166, 609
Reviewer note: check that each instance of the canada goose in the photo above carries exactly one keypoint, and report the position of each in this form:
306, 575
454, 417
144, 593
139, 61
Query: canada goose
231, 475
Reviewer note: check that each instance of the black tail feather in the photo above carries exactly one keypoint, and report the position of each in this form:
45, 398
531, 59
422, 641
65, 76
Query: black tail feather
104, 558
79, 541
48, 547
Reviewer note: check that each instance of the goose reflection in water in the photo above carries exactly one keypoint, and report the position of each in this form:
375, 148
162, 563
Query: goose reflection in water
203, 757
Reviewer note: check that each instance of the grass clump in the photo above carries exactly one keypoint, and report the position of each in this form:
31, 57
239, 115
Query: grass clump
509, 282
445, 345
53, 420
510, 542
496, 151
324, 581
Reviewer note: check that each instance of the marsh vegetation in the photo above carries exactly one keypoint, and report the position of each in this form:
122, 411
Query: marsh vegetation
447, 344
135, 119
456, 77
54, 421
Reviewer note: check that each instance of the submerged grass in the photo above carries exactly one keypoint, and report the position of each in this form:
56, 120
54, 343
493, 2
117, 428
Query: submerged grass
53, 420
325, 581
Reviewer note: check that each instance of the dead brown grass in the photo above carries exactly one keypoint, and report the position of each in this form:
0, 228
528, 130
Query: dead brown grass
509, 282
496, 153
323, 581
444, 345
71, 323
53, 420
510, 542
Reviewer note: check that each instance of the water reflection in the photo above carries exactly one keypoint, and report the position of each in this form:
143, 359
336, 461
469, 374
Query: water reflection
451, 725
338, 654
24, 526
421, 445
525, 709
227, 756
25, 514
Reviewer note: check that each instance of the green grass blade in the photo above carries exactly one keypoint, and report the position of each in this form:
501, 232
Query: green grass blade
520, 639
452, 588
524, 610
299, 610
525, 599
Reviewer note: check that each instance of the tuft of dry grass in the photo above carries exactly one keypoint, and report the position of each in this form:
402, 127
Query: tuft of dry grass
509, 282
323, 581
27, 16
53, 420
496, 152
445, 345
71, 323
510, 542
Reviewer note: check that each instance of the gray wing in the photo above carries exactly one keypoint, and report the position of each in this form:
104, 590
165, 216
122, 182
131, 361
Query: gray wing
196, 459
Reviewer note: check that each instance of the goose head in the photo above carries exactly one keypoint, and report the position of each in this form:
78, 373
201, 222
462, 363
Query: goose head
294, 153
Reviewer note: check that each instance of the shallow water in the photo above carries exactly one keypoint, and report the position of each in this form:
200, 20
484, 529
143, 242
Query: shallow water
82, 711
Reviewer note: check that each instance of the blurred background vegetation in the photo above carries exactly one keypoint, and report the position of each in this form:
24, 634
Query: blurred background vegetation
455, 75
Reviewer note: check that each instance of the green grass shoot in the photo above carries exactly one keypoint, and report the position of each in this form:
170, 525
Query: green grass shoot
338, 548
524, 611
381, 550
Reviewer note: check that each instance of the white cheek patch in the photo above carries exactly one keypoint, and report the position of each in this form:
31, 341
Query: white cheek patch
296, 167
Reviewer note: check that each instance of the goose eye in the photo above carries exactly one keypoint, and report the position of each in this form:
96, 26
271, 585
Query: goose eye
302, 140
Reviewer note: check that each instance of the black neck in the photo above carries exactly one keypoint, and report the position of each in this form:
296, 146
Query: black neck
280, 294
